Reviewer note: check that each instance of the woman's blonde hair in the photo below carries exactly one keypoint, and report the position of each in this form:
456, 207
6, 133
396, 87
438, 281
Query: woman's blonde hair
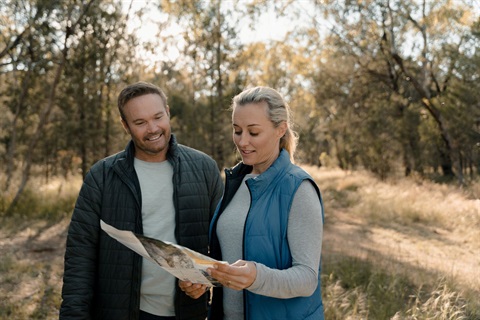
278, 112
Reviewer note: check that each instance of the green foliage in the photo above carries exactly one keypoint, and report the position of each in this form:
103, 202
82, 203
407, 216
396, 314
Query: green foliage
50, 206
368, 94
6, 263
402, 73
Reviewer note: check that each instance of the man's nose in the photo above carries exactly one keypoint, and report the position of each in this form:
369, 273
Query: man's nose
151, 126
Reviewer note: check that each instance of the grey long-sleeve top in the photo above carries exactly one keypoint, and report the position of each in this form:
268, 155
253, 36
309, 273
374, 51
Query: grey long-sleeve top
304, 237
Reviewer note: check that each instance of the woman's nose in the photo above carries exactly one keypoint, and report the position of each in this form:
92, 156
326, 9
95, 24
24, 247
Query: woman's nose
243, 141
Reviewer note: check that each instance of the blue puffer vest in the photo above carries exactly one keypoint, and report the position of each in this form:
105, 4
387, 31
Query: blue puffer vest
265, 238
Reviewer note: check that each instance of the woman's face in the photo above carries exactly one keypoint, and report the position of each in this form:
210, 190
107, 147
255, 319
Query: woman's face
255, 136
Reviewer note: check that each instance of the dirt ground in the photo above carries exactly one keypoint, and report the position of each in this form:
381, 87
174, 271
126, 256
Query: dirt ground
31, 270
32, 257
426, 251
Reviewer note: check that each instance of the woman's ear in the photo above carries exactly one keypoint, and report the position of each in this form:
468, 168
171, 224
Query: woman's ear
282, 129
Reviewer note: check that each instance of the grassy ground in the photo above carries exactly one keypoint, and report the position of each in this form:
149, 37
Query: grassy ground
400, 249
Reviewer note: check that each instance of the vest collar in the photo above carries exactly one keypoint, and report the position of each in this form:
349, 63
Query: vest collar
259, 184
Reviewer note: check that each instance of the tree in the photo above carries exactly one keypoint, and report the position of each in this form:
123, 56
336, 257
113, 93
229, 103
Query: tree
71, 22
91, 77
405, 46
209, 43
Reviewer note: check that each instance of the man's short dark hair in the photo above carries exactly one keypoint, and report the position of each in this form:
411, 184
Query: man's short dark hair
136, 90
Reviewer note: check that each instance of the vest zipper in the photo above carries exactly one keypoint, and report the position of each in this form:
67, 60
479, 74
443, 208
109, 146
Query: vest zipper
245, 297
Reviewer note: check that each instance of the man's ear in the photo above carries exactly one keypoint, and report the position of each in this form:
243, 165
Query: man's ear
125, 126
167, 109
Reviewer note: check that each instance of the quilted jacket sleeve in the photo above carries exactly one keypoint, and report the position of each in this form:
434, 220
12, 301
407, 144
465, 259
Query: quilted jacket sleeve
216, 188
81, 251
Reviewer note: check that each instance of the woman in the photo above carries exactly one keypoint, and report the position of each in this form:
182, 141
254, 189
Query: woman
268, 226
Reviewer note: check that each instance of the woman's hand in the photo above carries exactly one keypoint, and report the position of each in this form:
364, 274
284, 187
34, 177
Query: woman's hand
193, 290
237, 276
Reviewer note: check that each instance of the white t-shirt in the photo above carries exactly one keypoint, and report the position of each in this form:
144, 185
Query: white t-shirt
157, 290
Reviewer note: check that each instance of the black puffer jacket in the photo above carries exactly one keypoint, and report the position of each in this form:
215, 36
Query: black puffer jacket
102, 277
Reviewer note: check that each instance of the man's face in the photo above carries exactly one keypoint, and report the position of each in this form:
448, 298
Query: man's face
147, 120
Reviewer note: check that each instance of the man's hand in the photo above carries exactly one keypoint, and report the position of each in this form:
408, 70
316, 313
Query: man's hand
193, 290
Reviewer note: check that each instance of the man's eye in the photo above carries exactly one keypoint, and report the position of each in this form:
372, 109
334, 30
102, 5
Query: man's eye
237, 132
253, 134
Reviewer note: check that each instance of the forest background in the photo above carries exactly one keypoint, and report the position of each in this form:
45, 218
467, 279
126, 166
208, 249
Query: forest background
389, 88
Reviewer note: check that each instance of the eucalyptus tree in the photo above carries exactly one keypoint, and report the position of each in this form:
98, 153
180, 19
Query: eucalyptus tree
462, 103
413, 49
207, 45
286, 66
25, 40
52, 25
103, 57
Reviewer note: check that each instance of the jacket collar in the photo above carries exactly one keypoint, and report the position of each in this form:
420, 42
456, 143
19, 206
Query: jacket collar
172, 152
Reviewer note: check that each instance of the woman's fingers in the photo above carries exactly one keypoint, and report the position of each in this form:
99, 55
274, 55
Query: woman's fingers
238, 276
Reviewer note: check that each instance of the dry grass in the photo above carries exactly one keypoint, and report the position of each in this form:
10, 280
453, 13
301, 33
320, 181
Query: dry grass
443, 303
407, 201
399, 249
50, 200
32, 244
420, 231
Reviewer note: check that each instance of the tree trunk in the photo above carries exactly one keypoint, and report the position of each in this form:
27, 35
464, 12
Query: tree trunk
451, 148
12, 146
44, 115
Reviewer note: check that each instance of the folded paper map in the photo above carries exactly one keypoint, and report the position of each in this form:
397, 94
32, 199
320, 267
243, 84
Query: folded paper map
183, 263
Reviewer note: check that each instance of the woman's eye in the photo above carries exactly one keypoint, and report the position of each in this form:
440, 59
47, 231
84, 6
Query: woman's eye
253, 134
237, 132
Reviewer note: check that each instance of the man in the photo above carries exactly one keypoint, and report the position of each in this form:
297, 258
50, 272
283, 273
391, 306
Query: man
154, 187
